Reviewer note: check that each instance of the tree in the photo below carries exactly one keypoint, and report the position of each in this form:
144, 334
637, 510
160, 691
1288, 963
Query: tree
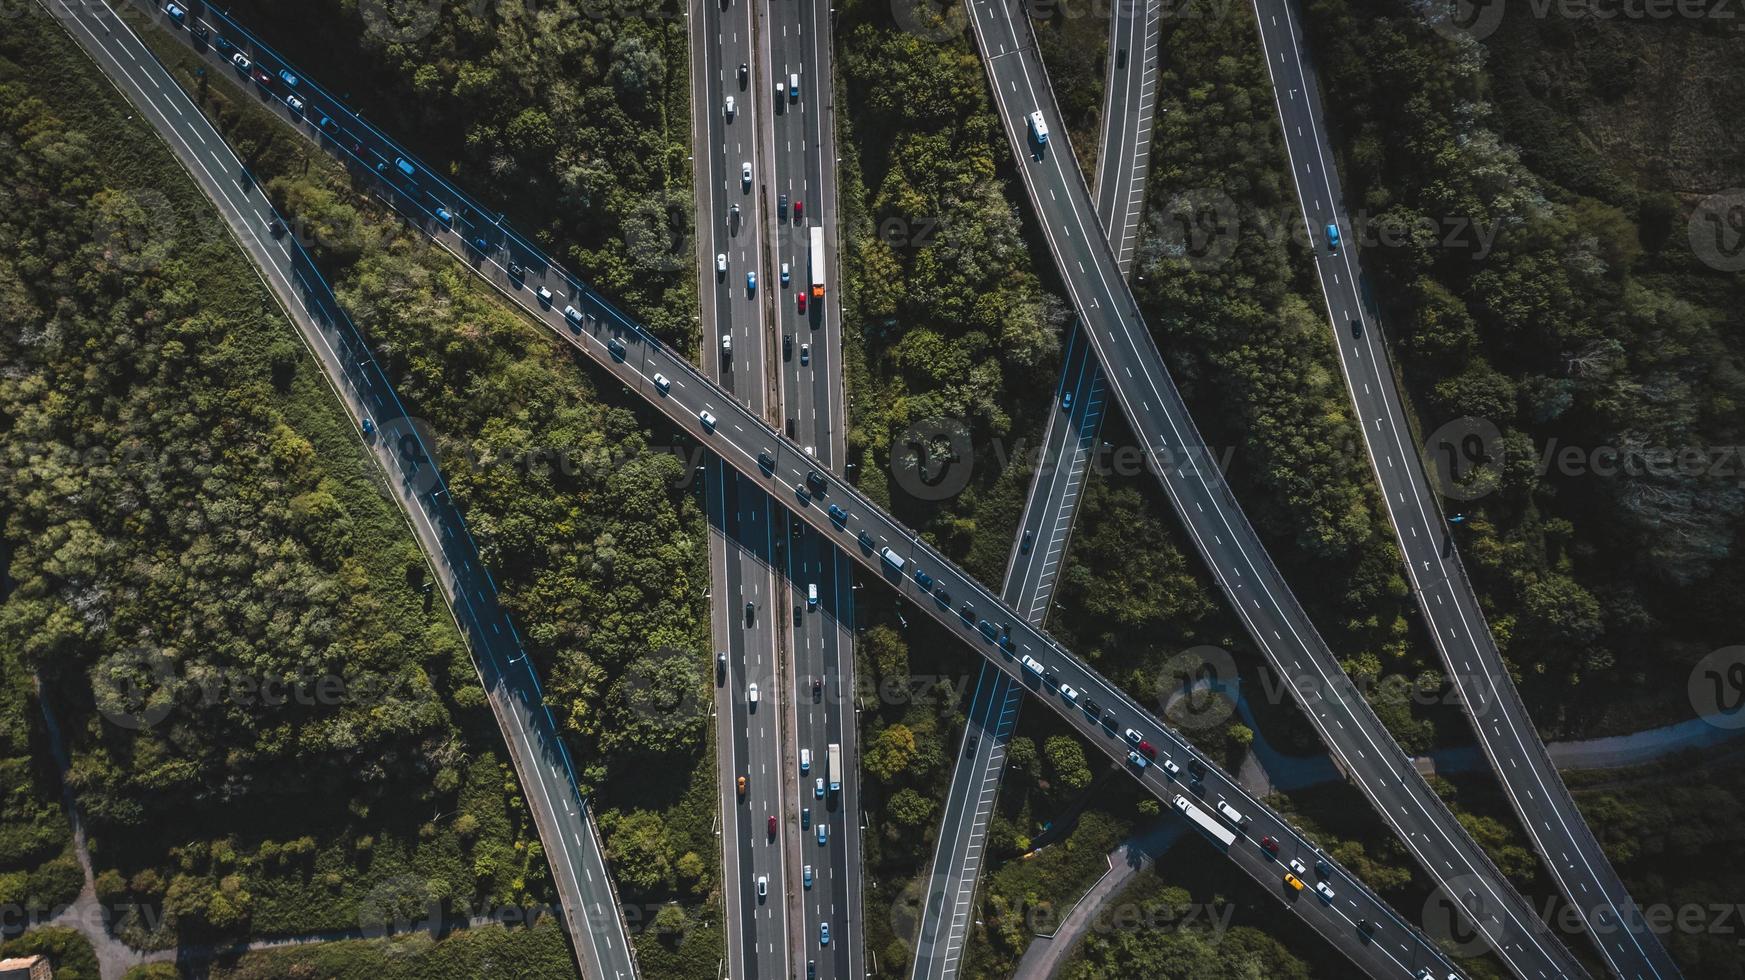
890, 752
1066, 760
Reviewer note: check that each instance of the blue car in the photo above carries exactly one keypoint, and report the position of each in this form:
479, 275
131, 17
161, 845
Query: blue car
751, 283
289, 79
823, 933
1333, 238
445, 216
823, 834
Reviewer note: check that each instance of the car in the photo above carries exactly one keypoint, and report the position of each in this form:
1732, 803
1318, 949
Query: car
1322, 868
815, 480
223, 43
573, 315
721, 661
369, 426
838, 515
924, 580
786, 277
817, 682
1109, 721
276, 228
1029, 541
800, 301
727, 344
806, 876
729, 109
1333, 238
1066, 401
1292, 882
1132, 736
987, 629
968, 612
1365, 926
1325, 891
805, 353
262, 79
175, 11
289, 79
1197, 768
721, 263
1297, 866
201, 32
744, 74
818, 787
941, 596
733, 216
970, 746
742, 786
799, 210
751, 284
751, 617
812, 970
544, 295
1357, 328
294, 104
661, 382
805, 760
1091, 707
765, 461
615, 347
794, 86
745, 174
823, 834
823, 933
1147, 750
1138, 761
866, 540
1270, 845
1170, 767
781, 206
516, 272
241, 62
805, 817
1051, 677
751, 694
1231, 814
763, 883
772, 825
787, 347
707, 419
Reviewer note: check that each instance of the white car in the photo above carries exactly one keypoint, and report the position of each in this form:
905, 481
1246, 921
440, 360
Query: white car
1070, 693
1231, 814
721, 262
1132, 736
818, 787
729, 109
295, 103
241, 61
1325, 892
707, 420
544, 296
1297, 866
785, 276
573, 315
745, 174
751, 694
805, 353
762, 886
1170, 767
661, 382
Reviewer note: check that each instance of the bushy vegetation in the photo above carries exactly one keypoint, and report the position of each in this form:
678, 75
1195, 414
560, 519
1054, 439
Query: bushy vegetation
37, 869
571, 117
536, 953
947, 325
1589, 322
69, 953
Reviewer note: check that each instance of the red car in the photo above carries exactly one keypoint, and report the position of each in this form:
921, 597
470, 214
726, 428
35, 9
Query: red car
1270, 844
772, 825
262, 79
1145, 747
799, 210
800, 300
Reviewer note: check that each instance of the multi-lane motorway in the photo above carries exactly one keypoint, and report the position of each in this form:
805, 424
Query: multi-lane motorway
591, 910
1216, 523
1450, 607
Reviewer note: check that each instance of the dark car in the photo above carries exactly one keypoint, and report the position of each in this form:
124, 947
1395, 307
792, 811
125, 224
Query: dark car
838, 515
987, 629
866, 541
516, 271
787, 347
815, 480
765, 461
924, 580
1091, 707
799, 210
750, 612
940, 594
1270, 844
1357, 328
968, 612
1051, 677
744, 74
781, 206
1198, 768
772, 825
1109, 719
1029, 539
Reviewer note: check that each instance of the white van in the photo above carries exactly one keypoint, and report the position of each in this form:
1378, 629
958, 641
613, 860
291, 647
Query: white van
1231, 813
892, 559
1038, 127
812, 594
794, 87
805, 760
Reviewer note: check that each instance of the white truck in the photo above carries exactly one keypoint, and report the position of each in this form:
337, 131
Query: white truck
1215, 830
835, 767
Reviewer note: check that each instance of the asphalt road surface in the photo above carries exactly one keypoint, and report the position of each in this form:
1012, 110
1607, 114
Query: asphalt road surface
578, 867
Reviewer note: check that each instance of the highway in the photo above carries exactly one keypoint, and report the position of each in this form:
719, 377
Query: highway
590, 907
746, 605
716, 420
1045, 527
1450, 607
1220, 530
797, 184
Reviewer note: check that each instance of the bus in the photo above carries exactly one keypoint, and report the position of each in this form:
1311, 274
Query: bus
1204, 821
835, 767
817, 262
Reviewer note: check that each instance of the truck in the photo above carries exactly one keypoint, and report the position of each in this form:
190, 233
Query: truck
817, 262
835, 767
1215, 830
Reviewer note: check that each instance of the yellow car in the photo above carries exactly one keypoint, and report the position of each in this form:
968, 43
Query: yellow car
1293, 881
742, 793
